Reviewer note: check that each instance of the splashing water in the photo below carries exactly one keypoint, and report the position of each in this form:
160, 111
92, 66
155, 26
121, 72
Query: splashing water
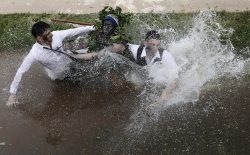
201, 54
202, 57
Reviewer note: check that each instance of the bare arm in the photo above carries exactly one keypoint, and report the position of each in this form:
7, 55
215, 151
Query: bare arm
28, 61
85, 56
168, 91
117, 48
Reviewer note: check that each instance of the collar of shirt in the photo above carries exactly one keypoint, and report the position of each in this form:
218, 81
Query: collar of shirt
41, 46
143, 54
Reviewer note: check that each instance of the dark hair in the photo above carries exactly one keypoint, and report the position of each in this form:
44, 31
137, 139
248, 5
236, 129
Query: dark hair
153, 34
39, 28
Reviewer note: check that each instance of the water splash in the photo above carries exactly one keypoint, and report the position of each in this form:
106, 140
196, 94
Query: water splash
205, 53
202, 50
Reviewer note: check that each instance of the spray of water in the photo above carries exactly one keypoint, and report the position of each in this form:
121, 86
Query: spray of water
203, 52
203, 56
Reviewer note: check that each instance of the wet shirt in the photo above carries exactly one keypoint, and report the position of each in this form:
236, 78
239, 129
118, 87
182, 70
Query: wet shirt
166, 69
55, 63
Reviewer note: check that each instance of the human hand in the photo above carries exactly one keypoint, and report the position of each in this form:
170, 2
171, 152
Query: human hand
101, 53
151, 109
94, 55
12, 101
164, 97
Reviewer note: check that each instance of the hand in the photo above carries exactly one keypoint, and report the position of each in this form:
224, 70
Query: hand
94, 55
150, 109
164, 97
12, 101
101, 53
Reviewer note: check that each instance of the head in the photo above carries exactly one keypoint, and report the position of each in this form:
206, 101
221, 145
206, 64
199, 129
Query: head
109, 24
152, 40
42, 33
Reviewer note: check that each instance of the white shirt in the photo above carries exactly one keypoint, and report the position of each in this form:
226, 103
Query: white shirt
55, 63
166, 70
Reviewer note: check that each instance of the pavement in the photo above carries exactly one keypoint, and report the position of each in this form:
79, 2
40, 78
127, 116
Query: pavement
142, 6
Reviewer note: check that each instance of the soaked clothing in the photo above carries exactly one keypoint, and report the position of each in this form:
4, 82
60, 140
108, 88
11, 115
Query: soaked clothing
161, 67
143, 60
55, 63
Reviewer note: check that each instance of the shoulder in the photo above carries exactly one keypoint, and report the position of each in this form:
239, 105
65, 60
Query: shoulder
166, 53
133, 47
36, 48
167, 56
56, 33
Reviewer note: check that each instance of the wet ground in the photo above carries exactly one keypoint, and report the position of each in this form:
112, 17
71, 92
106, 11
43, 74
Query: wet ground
61, 118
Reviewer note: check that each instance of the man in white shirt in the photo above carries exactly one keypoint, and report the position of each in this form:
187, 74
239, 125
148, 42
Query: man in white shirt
48, 51
157, 59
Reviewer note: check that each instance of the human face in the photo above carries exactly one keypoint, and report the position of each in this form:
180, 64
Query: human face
47, 36
152, 45
107, 27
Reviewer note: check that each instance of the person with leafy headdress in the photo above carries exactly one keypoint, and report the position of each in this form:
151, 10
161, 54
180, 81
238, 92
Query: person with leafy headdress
109, 30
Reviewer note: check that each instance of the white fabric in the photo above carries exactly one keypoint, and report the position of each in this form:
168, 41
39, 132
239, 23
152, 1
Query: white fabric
55, 63
164, 71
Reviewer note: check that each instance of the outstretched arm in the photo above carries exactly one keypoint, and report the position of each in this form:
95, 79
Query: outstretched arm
117, 48
74, 31
168, 91
173, 70
28, 61
85, 56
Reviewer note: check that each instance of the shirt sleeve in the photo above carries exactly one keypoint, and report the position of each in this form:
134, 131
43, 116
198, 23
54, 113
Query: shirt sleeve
170, 63
74, 31
25, 66
133, 49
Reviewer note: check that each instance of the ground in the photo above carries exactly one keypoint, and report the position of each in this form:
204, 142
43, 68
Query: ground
92, 6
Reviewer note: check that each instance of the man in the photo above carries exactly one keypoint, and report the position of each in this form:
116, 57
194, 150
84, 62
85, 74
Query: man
101, 39
160, 61
48, 51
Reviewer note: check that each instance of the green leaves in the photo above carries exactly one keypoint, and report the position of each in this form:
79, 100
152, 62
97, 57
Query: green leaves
118, 36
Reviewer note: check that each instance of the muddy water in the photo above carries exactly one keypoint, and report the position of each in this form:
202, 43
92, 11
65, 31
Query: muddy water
61, 118
56, 117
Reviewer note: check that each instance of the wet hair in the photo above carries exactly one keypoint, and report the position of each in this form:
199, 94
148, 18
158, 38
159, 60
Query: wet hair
39, 28
153, 34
